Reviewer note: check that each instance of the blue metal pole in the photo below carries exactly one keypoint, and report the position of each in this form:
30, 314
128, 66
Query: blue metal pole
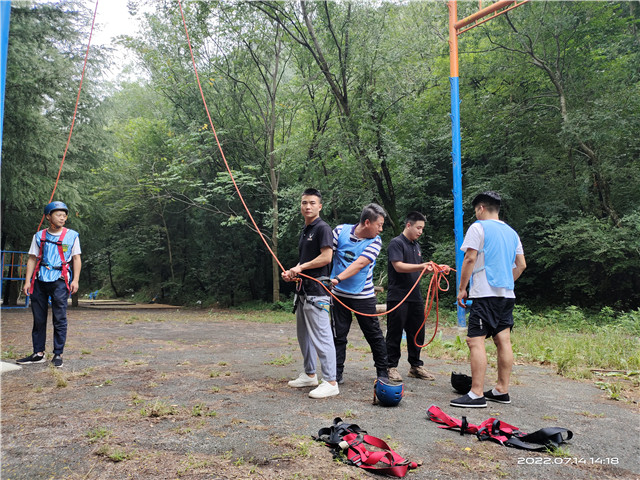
457, 187
5, 13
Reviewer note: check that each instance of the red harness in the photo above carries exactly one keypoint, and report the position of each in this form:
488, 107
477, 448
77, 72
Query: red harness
383, 460
65, 265
350, 440
502, 432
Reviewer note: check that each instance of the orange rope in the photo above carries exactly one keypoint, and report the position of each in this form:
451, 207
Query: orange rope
193, 60
439, 270
75, 111
435, 286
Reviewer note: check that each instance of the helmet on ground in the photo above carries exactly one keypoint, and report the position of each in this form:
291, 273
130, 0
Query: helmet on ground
387, 393
460, 382
50, 207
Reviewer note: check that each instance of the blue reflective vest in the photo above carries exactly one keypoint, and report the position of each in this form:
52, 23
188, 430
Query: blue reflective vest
500, 245
52, 266
346, 253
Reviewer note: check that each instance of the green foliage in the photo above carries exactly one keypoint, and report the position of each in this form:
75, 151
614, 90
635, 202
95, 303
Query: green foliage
44, 61
98, 433
549, 99
576, 341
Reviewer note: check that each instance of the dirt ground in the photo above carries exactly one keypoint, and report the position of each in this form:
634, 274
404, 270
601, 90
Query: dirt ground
178, 394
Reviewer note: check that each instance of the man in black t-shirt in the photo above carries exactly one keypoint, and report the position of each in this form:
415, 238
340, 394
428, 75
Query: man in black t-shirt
313, 324
404, 267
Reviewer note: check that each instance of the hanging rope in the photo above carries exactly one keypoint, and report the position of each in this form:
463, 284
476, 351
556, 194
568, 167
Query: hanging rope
75, 111
226, 164
439, 270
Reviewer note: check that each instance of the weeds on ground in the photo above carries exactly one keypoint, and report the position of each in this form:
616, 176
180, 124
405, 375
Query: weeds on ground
10, 353
282, 360
61, 379
98, 433
158, 409
200, 409
191, 463
114, 454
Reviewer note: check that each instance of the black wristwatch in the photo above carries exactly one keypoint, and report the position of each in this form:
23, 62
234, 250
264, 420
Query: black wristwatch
337, 279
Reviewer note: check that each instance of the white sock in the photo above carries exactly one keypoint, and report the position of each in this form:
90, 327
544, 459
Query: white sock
496, 392
473, 396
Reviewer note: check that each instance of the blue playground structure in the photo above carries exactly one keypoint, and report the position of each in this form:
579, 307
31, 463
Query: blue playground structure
14, 267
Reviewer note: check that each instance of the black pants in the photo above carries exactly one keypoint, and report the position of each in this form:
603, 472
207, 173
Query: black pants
407, 317
40, 306
341, 321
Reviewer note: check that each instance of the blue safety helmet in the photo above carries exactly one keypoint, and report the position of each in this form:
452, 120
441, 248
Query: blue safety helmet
387, 393
50, 207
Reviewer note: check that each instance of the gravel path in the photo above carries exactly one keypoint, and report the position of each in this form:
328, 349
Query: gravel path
168, 394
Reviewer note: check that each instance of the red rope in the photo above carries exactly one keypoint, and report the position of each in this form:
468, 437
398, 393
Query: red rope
195, 69
75, 111
435, 286
439, 270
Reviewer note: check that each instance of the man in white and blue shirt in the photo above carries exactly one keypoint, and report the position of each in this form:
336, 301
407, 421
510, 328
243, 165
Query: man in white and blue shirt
356, 248
493, 261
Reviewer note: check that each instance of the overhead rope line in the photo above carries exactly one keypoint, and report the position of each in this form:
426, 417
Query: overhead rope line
75, 111
438, 270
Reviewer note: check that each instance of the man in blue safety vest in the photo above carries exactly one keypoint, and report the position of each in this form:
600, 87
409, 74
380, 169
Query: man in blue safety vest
356, 248
53, 271
493, 261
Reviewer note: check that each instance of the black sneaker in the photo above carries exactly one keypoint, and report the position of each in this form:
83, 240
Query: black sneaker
501, 398
340, 380
57, 361
33, 358
466, 401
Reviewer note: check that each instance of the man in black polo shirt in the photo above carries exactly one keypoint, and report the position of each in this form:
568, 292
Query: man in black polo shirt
404, 267
315, 336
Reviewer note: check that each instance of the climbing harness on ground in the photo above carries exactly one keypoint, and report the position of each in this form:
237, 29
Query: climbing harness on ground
363, 450
386, 393
501, 432
461, 382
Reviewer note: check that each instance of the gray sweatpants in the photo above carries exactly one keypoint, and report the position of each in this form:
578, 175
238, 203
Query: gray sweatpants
315, 336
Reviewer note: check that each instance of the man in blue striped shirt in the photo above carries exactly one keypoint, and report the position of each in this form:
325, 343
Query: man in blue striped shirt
356, 248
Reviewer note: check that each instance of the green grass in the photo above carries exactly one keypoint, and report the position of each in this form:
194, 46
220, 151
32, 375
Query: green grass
282, 360
98, 433
573, 340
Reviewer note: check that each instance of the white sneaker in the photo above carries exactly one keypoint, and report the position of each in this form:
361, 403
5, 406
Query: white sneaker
324, 390
304, 380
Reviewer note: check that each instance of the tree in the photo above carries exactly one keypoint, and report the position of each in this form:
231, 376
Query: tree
47, 42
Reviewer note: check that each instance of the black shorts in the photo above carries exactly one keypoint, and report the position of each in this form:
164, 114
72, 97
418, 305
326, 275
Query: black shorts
488, 316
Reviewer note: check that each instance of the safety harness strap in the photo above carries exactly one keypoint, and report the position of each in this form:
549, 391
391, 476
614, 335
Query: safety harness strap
65, 265
502, 432
334, 434
436, 415
551, 437
43, 240
384, 460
